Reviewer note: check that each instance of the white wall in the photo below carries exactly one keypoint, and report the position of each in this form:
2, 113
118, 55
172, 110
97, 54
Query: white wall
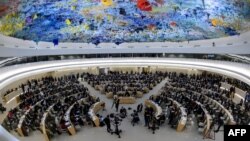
10, 46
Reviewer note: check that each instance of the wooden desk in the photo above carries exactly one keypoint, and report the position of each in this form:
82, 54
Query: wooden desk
21, 121
146, 90
12, 95
183, 121
231, 118
99, 88
93, 110
43, 122
208, 120
155, 106
139, 94
19, 127
127, 100
109, 95
69, 124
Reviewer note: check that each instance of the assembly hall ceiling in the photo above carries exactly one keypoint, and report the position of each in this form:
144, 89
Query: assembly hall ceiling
118, 21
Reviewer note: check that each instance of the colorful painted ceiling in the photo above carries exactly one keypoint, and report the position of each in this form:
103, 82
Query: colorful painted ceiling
118, 21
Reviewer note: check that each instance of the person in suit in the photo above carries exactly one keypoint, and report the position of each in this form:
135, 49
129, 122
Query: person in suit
114, 101
117, 103
139, 108
107, 122
171, 115
146, 117
220, 123
2, 108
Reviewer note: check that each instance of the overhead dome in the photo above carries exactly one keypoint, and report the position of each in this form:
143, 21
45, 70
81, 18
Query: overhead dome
117, 21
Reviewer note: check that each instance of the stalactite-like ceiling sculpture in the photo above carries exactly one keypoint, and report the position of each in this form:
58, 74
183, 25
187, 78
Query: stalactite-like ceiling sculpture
118, 21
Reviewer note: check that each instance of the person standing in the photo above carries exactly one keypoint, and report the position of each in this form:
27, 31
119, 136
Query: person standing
117, 104
171, 115
146, 117
114, 101
107, 122
220, 123
139, 108
247, 97
2, 108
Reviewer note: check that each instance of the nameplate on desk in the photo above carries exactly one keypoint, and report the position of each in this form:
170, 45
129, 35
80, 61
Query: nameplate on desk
236, 132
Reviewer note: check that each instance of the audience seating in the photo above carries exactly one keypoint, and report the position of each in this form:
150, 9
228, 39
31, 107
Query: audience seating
36, 110
56, 105
124, 84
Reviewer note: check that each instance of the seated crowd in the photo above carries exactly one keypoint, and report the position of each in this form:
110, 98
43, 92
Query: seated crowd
57, 123
194, 93
209, 85
189, 90
125, 84
39, 95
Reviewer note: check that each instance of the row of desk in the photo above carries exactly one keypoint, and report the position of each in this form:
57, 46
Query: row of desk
43, 123
208, 120
93, 110
230, 119
22, 119
183, 120
12, 95
110, 95
70, 126
157, 109
43, 120
16, 94
101, 87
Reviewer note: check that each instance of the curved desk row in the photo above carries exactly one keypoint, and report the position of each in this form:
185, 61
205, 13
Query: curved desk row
15, 94
22, 119
229, 117
71, 128
183, 120
208, 120
69, 124
20, 124
43, 122
157, 109
93, 110
101, 88
12, 95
